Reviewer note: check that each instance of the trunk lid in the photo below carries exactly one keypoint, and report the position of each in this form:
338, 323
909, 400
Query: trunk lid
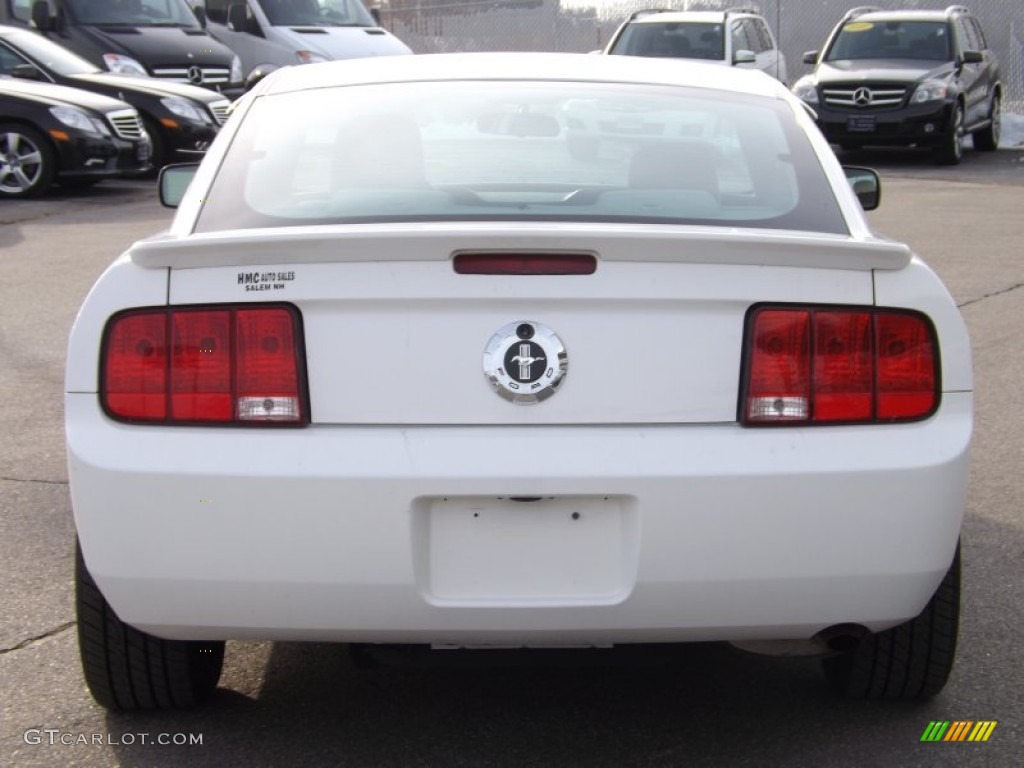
395, 336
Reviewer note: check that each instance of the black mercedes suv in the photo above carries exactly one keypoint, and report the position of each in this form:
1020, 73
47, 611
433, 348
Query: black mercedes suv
910, 78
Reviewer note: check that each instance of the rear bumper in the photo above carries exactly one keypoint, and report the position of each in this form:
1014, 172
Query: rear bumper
408, 535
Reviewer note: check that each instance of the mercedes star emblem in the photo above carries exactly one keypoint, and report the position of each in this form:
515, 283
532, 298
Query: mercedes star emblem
525, 362
195, 75
862, 97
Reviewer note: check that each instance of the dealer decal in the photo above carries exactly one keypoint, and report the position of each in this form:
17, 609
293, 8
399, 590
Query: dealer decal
265, 281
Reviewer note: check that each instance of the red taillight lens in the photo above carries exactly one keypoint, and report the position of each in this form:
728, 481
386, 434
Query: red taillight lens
195, 365
266, 372
201, 366
907, 363
811, 365
525, 264
135, 372
780, 377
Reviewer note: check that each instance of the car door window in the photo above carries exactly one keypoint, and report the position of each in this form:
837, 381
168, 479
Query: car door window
754, 39
977, 36
21, 10
739, 38
9, 60
963, 37
764, 35
217, 11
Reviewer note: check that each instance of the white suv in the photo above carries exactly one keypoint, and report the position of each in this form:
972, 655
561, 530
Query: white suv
736, 37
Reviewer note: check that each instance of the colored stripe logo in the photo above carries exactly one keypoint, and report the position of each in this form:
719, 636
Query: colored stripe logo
959, 730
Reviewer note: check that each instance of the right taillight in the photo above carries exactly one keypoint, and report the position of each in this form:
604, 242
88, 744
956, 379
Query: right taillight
221, 364
838, 365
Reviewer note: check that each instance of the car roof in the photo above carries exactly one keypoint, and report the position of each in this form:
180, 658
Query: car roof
910, 15
550, 67
700, 17
668, 17
59, 95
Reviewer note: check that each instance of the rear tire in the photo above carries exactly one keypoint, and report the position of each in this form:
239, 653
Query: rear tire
27, 162
987, 139
126, 669
909, 662
950, 151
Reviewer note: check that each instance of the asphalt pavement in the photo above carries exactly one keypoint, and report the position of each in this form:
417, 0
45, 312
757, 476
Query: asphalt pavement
289, 704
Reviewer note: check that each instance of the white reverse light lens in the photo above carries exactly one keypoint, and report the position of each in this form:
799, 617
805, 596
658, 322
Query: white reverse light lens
268, 409
778, 409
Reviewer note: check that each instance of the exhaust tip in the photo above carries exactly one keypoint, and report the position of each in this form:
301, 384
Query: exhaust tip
842, 638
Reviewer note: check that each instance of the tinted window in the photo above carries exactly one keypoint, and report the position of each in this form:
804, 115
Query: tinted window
21, 9
686, 40
979, 35
9, 60
963, 37
763, 35
52, 56
217, 10
739, 38
892, 40
144, 13
503, 152
298, 13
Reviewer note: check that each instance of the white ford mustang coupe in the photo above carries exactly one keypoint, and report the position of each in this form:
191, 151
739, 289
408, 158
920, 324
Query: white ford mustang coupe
404, 369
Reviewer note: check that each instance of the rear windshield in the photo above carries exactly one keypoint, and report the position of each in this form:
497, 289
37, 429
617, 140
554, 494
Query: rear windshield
504, 151
680, 40
924, 40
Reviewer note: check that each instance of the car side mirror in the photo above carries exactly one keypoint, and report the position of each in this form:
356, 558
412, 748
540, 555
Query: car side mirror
375, 13
866, 185
27, 72
237, 18
810, 57
173, 182
200, 14
972, 57
42, 19
744, 57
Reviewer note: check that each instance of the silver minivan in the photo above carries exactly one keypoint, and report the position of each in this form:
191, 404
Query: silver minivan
267, 34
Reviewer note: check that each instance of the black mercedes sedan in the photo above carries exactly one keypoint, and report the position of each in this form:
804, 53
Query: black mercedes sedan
50, 133
181, 119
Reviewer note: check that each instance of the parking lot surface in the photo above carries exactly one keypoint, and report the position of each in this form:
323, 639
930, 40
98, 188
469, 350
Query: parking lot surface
283, 704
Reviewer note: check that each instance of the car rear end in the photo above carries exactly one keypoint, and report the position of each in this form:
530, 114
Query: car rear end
587, 411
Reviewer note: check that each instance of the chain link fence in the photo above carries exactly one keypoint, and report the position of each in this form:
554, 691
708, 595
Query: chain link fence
442, 26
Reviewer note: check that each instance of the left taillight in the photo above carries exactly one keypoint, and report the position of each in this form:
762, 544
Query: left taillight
241, 364
838, 365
